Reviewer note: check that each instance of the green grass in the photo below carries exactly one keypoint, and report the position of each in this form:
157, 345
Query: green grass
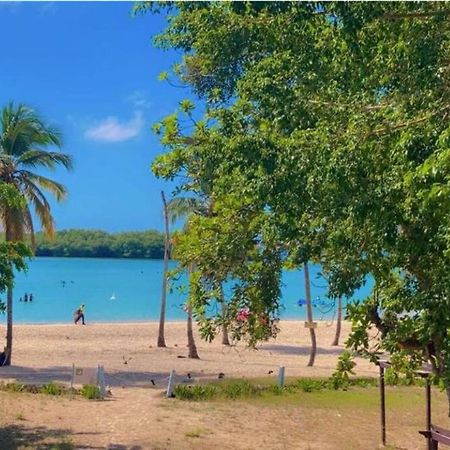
360, 393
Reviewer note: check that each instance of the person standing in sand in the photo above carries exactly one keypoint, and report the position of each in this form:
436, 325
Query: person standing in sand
79, 314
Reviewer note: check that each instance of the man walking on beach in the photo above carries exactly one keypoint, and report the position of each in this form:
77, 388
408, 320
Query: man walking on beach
79, 314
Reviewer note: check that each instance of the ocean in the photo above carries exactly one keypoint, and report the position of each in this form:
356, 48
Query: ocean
129, 290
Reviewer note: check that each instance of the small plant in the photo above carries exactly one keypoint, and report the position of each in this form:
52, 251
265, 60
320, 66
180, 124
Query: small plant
91, 392
19, 416
276, 389
341, 377
310, 385
51, 389
14, 387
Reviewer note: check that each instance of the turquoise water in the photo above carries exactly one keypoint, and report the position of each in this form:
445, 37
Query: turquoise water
60, 285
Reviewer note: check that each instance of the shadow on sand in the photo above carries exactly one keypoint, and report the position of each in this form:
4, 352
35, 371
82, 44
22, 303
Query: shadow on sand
298, 350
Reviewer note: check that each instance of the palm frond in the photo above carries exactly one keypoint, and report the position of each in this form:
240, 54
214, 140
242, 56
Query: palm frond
41, 206
58, 190
181, 207
43, 158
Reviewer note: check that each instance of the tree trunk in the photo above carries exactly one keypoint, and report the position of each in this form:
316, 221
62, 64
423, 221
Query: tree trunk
162, 314
312, 332
338, 322
225, 339
9, 326
193, 354
9, 312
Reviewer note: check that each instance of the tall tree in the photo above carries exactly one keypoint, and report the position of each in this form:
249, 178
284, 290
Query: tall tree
333, 117
24, 142
181, 208
162, 314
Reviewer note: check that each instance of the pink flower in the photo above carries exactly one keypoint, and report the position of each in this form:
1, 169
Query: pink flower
243, 315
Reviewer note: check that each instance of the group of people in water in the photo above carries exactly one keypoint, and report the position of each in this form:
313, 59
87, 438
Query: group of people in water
26, 298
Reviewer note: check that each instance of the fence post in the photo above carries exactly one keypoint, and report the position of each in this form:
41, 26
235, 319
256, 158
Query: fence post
170, 385
281, 376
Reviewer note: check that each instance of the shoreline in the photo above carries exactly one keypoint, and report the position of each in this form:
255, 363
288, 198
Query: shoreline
144, 321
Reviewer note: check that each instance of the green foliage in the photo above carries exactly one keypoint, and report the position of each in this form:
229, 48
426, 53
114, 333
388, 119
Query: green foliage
100, 244
91, 392
195, 392
52, 389
326, 138
311, 384
341, 377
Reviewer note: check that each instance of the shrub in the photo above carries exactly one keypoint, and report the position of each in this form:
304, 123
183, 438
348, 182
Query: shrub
51, 389
310, 385
90, 391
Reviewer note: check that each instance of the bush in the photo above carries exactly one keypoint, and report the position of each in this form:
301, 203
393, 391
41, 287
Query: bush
51, 389
90, 391
310, 385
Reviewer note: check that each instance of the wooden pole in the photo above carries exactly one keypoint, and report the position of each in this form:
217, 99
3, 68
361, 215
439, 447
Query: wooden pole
383, 406
428, 397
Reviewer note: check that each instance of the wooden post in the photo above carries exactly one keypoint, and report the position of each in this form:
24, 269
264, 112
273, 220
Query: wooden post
170, 385
382, 405
428, 398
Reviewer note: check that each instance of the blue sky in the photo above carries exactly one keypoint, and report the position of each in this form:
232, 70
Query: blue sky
91, 70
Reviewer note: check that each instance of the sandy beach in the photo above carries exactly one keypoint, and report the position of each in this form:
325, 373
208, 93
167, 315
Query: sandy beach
130, 357
138, 416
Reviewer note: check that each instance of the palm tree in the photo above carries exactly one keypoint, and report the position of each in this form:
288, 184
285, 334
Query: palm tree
24, 140
338, 322
162, 314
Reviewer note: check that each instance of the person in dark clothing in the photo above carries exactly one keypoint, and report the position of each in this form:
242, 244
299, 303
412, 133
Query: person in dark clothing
25, 297
31, 297
79, 314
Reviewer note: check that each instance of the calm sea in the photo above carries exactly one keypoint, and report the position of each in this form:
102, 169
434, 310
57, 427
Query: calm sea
127, 290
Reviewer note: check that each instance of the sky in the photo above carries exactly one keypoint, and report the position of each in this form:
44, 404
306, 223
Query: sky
91, 70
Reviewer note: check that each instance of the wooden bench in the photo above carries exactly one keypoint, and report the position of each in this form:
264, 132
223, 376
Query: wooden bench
436, 436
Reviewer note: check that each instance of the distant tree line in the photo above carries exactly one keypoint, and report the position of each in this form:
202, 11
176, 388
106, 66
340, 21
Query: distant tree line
100, 244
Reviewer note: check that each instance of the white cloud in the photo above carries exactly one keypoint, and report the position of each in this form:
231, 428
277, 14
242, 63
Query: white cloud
112, 130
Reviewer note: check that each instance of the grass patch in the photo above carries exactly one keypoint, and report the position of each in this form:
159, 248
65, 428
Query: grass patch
357, 392
87, 391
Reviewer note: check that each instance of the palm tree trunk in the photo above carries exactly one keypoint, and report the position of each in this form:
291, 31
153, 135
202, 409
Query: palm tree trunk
338, 322
225, 339
162, 314
9, 326
9, 312
312, 332
192, 348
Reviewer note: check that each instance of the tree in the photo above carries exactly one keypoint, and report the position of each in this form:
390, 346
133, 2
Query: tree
333, 118
162, 315
184, 207
179, 208
24, 139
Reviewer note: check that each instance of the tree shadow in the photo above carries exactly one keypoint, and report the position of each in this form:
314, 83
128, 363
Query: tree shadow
114, 379
14, 437
298, 350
